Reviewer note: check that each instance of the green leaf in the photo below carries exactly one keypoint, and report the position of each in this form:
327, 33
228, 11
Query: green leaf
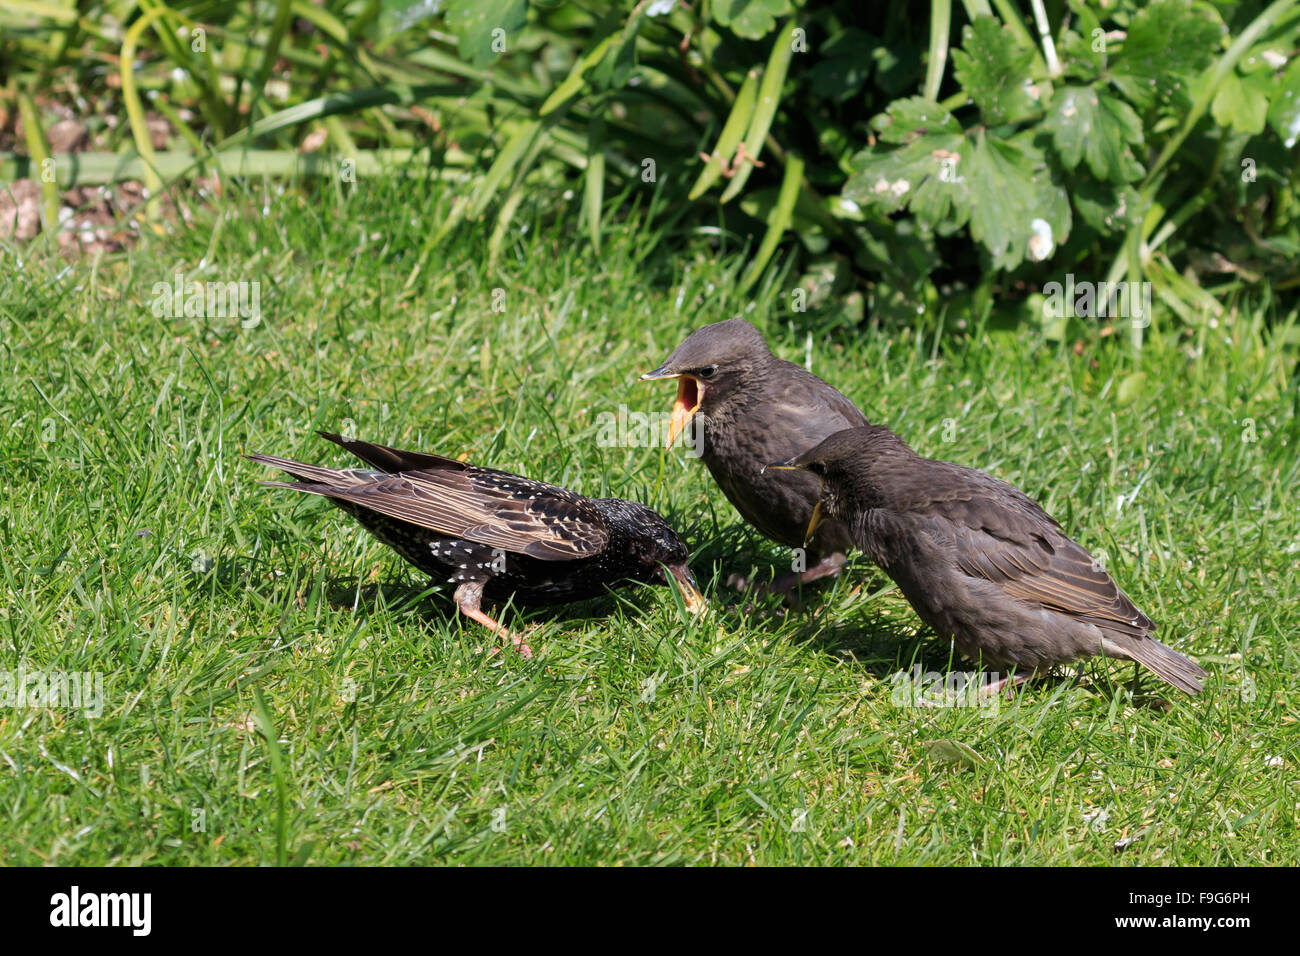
1242, 102
1087, 123
954, 753
742, 111
769, 98
475, 22
1284, 114
1131, 387
925, 175
751, 19
1168, 43
908, 119
1010, 188
843, 66
993, 68
1083, 49
1002, 187
609, 62
777, 221
1105, 208
616, 66
593, 193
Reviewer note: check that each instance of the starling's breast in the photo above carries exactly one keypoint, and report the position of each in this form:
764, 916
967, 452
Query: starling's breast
778, 503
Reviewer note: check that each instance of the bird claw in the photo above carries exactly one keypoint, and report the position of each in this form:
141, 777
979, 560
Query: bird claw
516, 642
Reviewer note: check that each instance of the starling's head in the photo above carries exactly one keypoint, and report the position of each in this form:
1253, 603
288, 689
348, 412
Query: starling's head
652, 547
839, 463
710, 365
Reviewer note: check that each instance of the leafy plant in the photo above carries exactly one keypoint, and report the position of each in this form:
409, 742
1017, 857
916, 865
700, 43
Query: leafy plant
958, 162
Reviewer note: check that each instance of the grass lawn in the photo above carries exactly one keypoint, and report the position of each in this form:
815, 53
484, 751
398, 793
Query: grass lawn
279, 686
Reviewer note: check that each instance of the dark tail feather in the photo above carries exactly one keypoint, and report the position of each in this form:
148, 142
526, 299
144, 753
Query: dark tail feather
1164, 662
391, 459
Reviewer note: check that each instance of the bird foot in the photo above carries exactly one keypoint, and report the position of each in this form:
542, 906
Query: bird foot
827, 567
467, 600
1009, 683
516, 641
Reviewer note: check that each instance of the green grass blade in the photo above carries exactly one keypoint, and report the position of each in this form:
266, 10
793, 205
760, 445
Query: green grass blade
134, 109
742, 112
940, 21
769, 98
593, 189
778, 220
267, 728
283, 15
39, 150
509, 160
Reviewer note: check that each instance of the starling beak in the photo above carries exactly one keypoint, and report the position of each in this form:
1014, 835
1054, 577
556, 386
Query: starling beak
980, 562
818, 512
750, 408
690, 393
691, 595
489, 533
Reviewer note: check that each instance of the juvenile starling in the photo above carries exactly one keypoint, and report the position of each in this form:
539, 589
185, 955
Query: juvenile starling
979, 561
492, 534
749, 408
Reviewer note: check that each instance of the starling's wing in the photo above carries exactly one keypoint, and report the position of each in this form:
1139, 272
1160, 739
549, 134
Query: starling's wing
852, 415
822, 400
1002, 536
490, 507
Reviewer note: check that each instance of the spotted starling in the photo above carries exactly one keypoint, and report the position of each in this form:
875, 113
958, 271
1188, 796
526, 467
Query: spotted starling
747, 407
492, 534
979, 561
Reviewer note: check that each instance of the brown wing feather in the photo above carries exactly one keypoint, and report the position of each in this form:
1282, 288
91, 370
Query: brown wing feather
490, 507
1003, 536
1059, 575
806, 391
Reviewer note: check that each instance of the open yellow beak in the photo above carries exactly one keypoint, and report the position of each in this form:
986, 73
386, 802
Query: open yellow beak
690, 392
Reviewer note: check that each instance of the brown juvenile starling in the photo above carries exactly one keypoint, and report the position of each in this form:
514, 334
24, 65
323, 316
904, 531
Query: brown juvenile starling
492, 534
749, 407
979, 561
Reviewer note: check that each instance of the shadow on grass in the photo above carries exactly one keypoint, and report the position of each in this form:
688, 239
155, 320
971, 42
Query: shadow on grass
886, 648
433, 603
881, 648
806, 616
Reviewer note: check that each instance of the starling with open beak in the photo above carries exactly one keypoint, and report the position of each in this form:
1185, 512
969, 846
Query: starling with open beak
979, 561
490, 534
747, 407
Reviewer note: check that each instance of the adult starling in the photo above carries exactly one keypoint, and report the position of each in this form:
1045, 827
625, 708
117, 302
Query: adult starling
979, 561
492, 534
750, 407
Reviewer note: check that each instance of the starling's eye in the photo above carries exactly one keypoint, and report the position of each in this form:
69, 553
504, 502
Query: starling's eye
708, 371
816, 467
